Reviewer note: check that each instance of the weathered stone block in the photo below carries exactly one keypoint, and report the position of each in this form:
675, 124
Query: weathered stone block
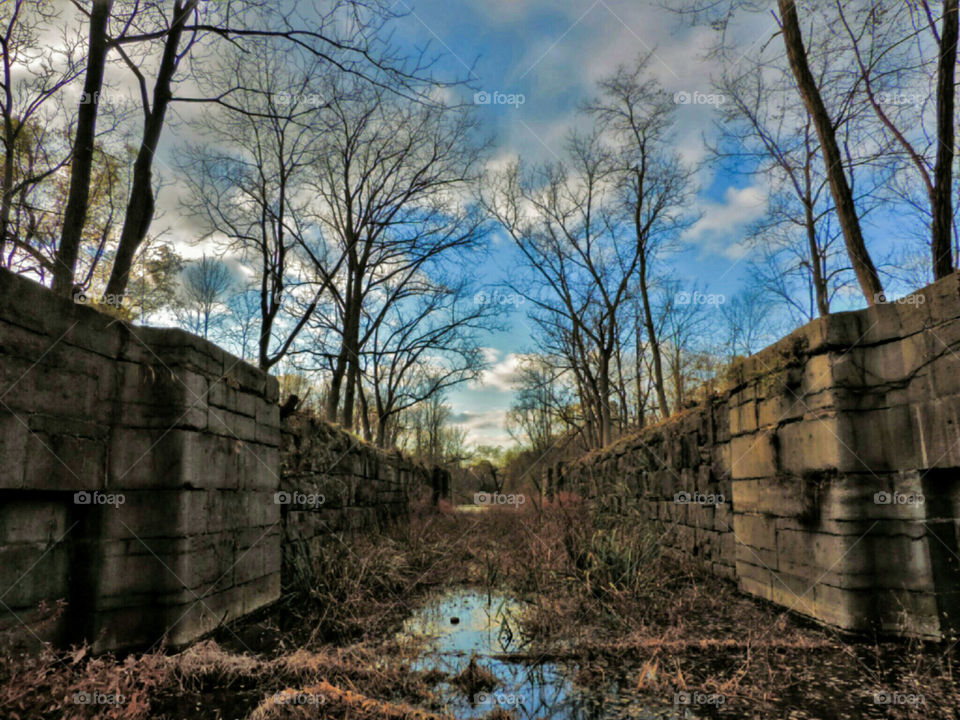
64, 462
937, 432
13, 448
753, 456
757, 532
33, 572
32, 521
816, 443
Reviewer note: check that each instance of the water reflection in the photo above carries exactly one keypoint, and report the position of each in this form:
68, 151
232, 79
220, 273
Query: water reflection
460, 624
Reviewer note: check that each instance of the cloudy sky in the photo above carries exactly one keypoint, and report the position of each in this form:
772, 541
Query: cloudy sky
529, 65
550, 55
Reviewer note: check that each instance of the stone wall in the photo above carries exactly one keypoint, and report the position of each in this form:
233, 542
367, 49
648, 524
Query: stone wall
138, 472
333, 482
675, 473
139, 478
840, 446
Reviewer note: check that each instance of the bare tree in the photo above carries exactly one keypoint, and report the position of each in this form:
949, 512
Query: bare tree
241, 327
145, 34
655, 185
32, 76
891, 53
250, 187
139, 215
75, 213
762, 134
684, 326
394, 178
423, 346
579, 273
833, 159
430, 437
720, 13
748, 324
206, 285
537, 413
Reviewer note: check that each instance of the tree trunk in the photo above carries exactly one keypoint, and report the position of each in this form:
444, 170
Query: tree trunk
638, 371
364, 415
839, 187
81, 164
140, 208
678, 376
352, 330
336, 381
941, 205
654, 342
603, 400
381, 438
341, 369
351, 339
6, 202
819, 282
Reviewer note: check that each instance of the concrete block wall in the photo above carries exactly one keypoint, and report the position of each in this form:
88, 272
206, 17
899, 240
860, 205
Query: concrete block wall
675, 473
334, 482
842, 453
141, 480
138, 468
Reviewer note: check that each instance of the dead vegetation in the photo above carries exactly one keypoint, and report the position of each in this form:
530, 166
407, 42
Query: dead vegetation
599, 598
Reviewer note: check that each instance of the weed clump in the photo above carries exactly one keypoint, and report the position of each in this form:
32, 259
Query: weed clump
475, 679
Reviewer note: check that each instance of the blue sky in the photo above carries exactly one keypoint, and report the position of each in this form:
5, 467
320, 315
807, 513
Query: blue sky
553, 54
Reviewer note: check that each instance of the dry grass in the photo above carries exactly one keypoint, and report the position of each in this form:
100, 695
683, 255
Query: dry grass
475, 679
599, 597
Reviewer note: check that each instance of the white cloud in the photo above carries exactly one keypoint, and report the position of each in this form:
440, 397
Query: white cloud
722, 225
486, 427
502, 375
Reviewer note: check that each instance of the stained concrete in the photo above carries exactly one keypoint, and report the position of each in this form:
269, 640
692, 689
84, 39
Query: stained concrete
838, 452
139, 472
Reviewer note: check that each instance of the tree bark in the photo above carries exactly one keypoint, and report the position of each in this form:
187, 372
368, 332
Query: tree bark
351, 344
364, 414
140, 208
941, 206
6, 203
654, 342
819, 282
839, 187
78, 196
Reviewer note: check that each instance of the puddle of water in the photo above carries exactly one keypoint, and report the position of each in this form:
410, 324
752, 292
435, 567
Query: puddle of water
460, 624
